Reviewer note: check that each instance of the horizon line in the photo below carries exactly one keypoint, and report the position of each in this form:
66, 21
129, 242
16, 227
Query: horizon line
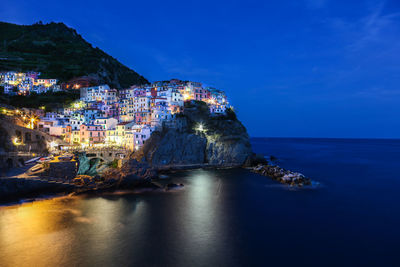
308, 137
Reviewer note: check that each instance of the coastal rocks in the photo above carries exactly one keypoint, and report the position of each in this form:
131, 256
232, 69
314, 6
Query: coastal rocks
220, 141
283, 176
17, 188
228, 150
84, 180
254, 160
130, 175
87, 166
176, 148
141, 170
171, 186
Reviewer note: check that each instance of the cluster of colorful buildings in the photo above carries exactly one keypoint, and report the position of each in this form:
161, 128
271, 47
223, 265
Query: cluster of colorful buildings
25, 83
126, 118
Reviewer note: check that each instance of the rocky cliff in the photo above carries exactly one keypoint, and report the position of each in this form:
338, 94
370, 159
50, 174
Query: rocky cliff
198, 137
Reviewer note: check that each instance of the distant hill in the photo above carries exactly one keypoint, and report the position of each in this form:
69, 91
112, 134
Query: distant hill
58, 51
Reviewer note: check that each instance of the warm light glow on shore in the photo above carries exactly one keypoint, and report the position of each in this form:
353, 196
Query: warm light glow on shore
16, 141
53, 144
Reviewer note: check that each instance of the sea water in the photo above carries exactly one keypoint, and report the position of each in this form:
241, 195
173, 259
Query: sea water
228, 217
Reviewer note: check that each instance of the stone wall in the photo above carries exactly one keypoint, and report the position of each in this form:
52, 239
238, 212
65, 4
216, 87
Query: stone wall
63, 169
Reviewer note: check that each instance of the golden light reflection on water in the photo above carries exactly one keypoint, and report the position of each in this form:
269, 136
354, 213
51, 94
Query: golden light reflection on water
104, 219
49, 232
28, 230
102, 230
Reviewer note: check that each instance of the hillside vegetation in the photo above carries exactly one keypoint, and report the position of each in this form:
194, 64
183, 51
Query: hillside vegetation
59, 52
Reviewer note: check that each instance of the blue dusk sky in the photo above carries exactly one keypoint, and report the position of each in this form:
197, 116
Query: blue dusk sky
304, 68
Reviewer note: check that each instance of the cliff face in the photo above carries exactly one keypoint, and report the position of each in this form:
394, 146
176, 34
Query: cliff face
198, 138
230, 146
59, 52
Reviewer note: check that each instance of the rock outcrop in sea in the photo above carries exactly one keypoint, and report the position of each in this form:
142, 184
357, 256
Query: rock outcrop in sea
198, 137
281, 175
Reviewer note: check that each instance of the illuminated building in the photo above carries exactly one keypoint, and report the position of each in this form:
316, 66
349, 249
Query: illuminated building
25, 83
92, 134
95, 93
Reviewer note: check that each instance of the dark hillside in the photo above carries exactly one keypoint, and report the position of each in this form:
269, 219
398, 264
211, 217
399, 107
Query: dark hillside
59, 52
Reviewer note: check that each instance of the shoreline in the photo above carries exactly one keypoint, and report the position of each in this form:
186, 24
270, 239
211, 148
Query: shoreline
21, 190
153, 186
16, 191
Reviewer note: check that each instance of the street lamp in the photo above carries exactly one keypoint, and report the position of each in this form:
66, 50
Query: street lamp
200, 127
16, 141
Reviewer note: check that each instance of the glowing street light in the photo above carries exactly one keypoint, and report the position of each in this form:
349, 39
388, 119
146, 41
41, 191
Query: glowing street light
53, 145
16, 141
31, 123
200, 128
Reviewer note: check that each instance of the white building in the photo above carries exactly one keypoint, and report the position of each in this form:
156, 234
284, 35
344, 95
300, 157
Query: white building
141, 104
95, 93
106, 123
140, 135
136, 136
160, 111
126, 110
52, 126
76, 121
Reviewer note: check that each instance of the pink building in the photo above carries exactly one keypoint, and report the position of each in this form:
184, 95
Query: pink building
143, 117
201, 94
92, 134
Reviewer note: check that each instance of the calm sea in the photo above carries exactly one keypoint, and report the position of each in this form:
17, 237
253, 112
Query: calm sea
228, 217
